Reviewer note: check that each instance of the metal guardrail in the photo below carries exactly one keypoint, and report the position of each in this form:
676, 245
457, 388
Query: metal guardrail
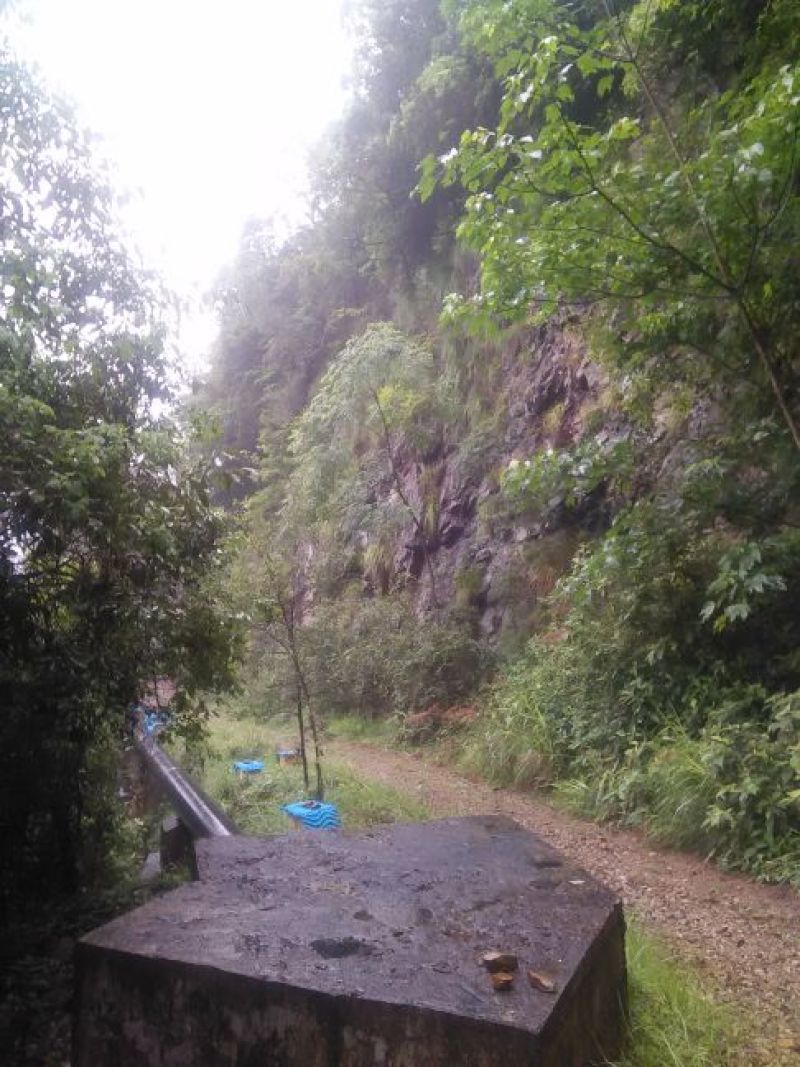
198, 813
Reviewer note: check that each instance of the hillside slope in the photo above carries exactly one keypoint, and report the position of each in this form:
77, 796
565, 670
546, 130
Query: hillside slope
530, 429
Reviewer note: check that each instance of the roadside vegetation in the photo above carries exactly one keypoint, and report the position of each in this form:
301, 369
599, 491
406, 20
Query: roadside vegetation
717, 776
255, 801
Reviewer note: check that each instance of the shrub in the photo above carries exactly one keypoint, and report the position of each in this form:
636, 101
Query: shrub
720, 775
373, 657
755, 815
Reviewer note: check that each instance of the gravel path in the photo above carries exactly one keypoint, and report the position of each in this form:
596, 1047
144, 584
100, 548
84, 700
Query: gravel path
743, 935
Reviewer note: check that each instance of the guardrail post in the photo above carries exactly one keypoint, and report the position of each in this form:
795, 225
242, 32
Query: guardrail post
176, 846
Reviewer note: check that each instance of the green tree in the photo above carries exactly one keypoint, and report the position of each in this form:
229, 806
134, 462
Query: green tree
276, 592
677, 207
106, 533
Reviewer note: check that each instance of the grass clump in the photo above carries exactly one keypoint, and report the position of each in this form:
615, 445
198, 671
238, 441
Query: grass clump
673, 1022
681, 789
367, 803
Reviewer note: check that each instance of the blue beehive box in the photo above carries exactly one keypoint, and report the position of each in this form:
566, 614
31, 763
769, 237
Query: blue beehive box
314, 815
248, 766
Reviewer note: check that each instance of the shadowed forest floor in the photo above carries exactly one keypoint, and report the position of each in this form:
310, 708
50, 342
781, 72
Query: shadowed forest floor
743, 936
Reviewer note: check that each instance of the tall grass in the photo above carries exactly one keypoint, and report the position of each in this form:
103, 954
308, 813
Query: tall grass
513, 741
680, 788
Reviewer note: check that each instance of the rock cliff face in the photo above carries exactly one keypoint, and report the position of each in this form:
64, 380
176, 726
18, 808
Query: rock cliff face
477, 555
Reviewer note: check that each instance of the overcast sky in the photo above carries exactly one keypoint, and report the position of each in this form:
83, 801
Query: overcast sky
207, 111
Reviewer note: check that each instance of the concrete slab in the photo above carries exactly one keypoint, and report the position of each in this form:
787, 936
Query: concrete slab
354, 949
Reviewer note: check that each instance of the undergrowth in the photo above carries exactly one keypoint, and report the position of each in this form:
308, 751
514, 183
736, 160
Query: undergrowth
37, 982
719, 775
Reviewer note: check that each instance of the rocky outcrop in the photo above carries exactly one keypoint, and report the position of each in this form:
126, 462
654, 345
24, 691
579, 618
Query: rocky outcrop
477, 556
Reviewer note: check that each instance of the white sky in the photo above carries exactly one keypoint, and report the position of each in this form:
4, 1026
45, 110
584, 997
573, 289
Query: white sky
207, 112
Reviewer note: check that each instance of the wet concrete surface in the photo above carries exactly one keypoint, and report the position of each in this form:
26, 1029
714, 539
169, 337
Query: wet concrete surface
358, 949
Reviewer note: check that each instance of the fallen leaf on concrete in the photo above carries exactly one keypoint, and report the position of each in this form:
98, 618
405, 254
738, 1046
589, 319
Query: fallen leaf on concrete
542, 982
499, 961
502, 981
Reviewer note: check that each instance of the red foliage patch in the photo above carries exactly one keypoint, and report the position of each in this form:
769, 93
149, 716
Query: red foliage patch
423, 725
